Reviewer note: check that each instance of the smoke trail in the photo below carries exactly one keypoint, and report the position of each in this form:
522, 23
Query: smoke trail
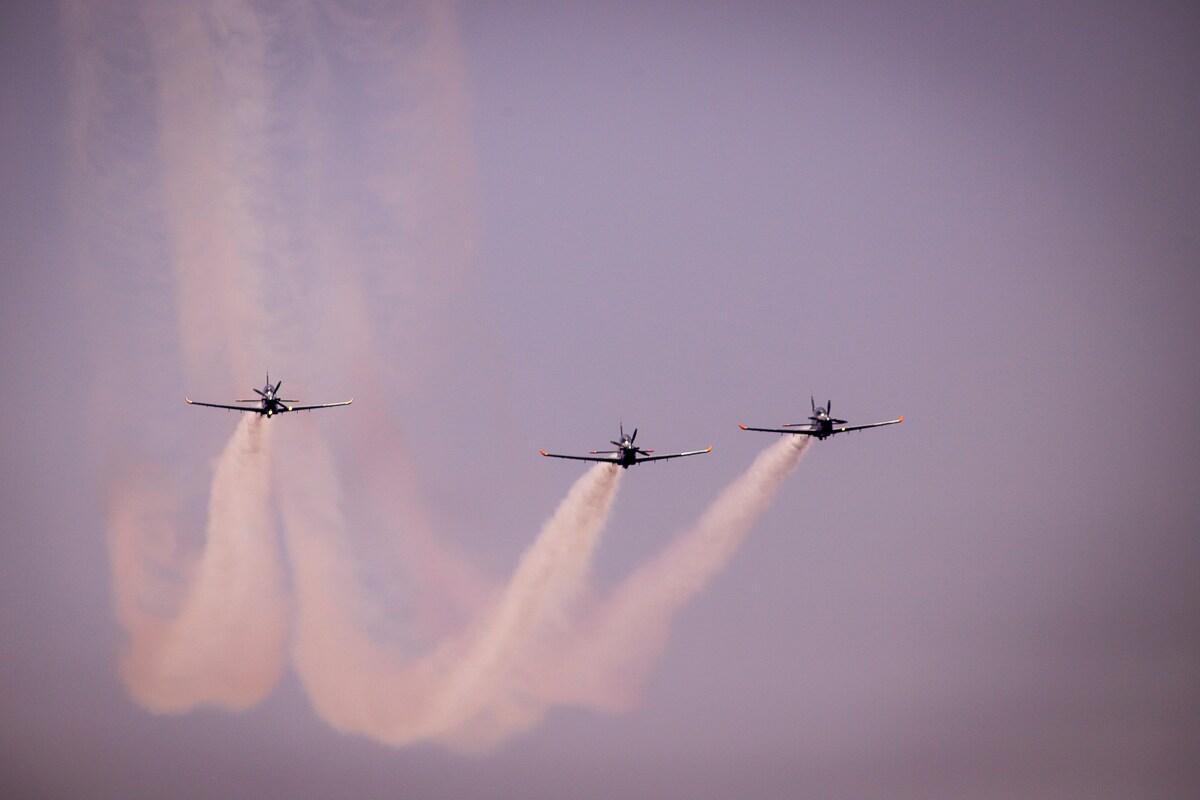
467, 691
522, 654
247, 193
211, 122
489, 695
354, 684
630, 632
225, 644
398, 231
217, 139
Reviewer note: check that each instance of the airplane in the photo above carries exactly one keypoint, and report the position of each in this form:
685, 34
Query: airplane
822, 425
627, 453
269, 402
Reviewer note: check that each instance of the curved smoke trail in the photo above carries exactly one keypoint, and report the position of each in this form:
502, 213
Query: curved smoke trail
155, 182
493, 690
629, 632
225, 644
198, 142
466, 692
529, 650
207, 121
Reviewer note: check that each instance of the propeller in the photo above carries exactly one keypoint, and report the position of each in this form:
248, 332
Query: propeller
260, 392
624, 438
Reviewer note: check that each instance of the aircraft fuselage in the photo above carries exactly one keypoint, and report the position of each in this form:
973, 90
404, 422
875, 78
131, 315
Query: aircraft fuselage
823, 425
627, 456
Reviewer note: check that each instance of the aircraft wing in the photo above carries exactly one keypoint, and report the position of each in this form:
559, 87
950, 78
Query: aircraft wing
644, 459
848, 428
804, 431
321, 405
579, 458
255, 409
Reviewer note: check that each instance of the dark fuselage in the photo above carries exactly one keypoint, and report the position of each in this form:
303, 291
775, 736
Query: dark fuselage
269, 404
822, 424
627, 455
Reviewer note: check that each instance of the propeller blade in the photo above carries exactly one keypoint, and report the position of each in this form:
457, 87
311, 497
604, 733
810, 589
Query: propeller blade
813, 401
261, 393
634, 437
610, 441
277, 387
829, 407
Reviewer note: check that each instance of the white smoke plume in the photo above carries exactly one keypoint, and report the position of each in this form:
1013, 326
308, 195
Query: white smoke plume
532, 648
468, 691
492, 691
204, 125
225, 643
169, 136
628, 633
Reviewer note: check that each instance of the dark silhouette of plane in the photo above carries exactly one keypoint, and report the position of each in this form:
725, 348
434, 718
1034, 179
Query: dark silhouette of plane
269, 402
627, 453
822, 425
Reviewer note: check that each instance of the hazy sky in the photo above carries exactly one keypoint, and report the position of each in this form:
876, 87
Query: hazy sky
505, 227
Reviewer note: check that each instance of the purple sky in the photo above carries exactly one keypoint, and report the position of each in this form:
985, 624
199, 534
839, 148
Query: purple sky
539, 220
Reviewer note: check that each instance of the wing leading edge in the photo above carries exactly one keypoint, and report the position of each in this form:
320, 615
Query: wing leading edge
675, 455
637, 460
810, 431
321, 405
804, 431
252, 409
579, 458
261, 410
848, 428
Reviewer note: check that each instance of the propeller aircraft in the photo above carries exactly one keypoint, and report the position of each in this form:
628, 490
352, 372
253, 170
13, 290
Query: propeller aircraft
821, 424
627, 453
269, 403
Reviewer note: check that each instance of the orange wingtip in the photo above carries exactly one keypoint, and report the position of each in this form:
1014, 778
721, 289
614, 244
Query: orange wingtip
743, 427
543, 452
900, 420
709, 450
